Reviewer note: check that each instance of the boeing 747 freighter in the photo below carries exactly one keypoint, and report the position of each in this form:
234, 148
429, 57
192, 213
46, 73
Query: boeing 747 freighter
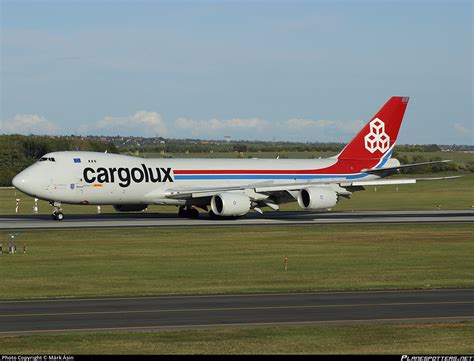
229, 187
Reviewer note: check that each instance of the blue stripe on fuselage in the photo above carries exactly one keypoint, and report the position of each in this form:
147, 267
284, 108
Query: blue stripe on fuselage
384, 159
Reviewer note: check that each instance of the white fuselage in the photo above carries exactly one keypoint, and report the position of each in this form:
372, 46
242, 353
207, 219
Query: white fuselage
100, 178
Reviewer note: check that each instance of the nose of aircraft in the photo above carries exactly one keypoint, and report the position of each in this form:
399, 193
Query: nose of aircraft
24, 181
17, 180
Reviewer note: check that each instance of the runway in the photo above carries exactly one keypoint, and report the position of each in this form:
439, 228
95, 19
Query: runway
270, 218
254, 310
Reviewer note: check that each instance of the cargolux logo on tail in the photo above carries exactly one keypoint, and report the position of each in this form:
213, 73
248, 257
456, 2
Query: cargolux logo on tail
377, 139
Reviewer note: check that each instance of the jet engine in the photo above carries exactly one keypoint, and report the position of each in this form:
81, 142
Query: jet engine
314, 198
130, 207
230, 204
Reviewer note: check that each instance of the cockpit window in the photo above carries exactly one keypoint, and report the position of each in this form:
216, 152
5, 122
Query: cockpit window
50, 159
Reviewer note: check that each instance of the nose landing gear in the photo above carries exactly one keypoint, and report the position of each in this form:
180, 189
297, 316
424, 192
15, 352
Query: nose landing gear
57, 214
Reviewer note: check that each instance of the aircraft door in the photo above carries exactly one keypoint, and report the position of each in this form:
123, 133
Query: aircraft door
79, 188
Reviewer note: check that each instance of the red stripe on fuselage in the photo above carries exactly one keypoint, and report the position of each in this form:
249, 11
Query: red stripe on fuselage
341, 167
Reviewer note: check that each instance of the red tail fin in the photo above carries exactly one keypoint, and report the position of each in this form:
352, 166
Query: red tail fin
379, 135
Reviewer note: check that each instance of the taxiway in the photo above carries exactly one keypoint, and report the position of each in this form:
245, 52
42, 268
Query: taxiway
250, 310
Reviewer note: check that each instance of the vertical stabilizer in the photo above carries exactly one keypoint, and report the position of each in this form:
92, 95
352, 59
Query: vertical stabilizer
379, 135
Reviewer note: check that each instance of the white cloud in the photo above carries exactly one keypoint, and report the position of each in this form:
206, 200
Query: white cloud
351, 127
461, 129
307, 129
215, 126
28, 124
301, 124
146, 123
142, 122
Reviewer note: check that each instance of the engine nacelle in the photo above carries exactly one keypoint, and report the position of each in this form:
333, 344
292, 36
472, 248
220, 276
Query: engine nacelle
314, 198
230, 204
130, 207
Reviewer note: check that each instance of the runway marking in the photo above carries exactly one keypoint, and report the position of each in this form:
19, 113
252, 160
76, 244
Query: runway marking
297, 218
235, 309
328, 293
295, 323
221, 224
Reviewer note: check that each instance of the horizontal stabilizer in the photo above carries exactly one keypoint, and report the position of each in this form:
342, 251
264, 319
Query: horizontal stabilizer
383, 182
384, 170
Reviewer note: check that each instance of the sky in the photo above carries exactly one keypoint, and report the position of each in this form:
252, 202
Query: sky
268, 70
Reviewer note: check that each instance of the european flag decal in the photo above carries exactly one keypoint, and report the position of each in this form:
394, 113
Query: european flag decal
77, 160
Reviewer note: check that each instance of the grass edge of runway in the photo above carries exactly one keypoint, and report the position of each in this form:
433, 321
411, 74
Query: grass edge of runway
141, 262
447, 245
423, 338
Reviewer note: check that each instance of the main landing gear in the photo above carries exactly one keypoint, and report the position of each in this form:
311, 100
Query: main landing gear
188, 212
57, 214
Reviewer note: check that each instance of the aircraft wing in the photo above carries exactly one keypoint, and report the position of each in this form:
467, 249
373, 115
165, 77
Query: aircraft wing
269, 187
186, 192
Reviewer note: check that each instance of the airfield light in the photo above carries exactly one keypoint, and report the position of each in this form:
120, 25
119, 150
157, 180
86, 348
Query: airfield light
12, 245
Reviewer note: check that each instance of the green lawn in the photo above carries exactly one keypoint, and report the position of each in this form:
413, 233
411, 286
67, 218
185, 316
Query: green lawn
151, 261
456, 157
448, 338
282, 155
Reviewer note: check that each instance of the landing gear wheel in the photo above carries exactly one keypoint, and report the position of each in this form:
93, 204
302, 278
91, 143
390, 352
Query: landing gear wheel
57, 216
193, 213
188, 212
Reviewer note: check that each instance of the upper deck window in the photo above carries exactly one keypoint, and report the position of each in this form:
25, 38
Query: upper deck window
50, 159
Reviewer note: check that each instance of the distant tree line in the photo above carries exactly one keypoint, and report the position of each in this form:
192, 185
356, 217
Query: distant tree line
19, 151
419, 148
180, 146
435, 168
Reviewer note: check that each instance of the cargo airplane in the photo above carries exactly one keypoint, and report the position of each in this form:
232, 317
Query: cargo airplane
229, 187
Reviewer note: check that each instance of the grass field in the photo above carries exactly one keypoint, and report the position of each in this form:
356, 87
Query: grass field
448, 194
150, 261
448, 338
77, 263
282, 155
456, 157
